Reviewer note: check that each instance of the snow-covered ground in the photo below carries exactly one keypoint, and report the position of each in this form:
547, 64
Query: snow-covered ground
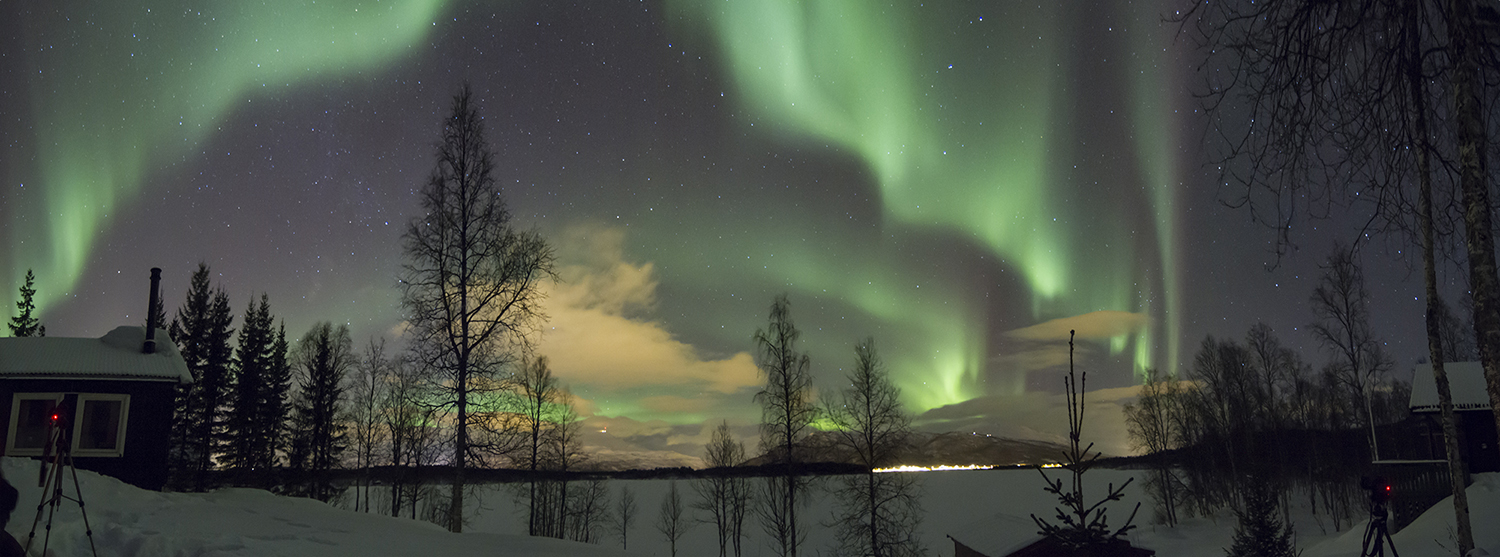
131, 522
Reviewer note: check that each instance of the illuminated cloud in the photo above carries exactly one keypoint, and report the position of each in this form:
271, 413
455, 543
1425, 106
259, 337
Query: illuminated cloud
676, 404
1044, 347
599, 338
621, 427
650, 443
1098, 325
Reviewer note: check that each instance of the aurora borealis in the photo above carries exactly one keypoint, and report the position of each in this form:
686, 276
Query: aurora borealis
964, 181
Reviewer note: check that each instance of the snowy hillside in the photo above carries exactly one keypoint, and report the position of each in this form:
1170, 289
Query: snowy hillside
235, 522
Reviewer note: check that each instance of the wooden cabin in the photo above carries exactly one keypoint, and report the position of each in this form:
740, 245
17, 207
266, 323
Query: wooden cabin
106, 400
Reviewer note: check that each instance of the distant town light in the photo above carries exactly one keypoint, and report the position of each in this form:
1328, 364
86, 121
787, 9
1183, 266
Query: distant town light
938, 468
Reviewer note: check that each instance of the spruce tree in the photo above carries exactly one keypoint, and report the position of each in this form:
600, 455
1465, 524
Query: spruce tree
184, 332
273, 405
24, 324
298, 447
201, 332
247, 438
1260, 532
218, 383
324, 356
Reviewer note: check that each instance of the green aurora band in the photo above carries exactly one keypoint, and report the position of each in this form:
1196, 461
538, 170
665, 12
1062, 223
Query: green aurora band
966, 155
120, 90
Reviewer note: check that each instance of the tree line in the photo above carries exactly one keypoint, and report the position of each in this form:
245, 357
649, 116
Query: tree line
1249, 424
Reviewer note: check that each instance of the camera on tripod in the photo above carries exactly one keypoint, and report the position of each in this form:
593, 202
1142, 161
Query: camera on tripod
57, 458
1377, 534
1378, 487
58, 442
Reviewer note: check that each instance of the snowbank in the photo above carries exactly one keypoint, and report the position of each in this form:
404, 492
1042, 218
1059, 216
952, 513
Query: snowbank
128, 521
131, 522
1432, 533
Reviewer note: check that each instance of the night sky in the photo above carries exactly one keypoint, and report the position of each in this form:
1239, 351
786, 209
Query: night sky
964, 181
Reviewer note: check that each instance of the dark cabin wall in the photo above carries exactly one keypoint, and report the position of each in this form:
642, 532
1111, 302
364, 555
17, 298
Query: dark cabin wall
147, 428
1479, 433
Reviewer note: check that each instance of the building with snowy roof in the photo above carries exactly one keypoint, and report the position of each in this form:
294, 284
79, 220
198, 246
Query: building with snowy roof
1472, 412
1004, 535
107, 401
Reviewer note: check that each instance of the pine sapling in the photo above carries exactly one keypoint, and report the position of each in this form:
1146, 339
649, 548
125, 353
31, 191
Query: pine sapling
1081, 528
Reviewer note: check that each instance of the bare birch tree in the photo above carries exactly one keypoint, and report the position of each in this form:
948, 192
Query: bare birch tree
877, 514
366, 383
1152, 424
589, 506
536, 392
624, 515
1341, 304
563, 455
669, 521
722, 495
471, 287
409, 427
787, 414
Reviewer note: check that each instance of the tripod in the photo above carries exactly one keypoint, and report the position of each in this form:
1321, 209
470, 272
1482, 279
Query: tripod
1377, 532
56, 455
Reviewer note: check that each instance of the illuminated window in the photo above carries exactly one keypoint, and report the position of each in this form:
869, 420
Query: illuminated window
95, 423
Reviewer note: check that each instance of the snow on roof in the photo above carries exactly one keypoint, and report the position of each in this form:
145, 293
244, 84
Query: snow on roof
998, 535
1465, 381
116, 355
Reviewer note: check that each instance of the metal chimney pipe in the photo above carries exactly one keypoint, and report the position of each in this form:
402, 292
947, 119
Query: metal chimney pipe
150, 345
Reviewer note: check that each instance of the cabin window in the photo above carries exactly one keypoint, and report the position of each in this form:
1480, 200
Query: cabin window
94, 423
30, 422
99, 426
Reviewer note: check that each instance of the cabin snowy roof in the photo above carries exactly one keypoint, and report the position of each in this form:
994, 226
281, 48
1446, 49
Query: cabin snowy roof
1465, 381
115, 356
997, 535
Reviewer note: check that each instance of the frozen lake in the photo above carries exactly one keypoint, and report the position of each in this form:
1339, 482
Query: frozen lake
992, 503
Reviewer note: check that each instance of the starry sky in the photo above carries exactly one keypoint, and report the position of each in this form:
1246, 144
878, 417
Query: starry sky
963, 181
